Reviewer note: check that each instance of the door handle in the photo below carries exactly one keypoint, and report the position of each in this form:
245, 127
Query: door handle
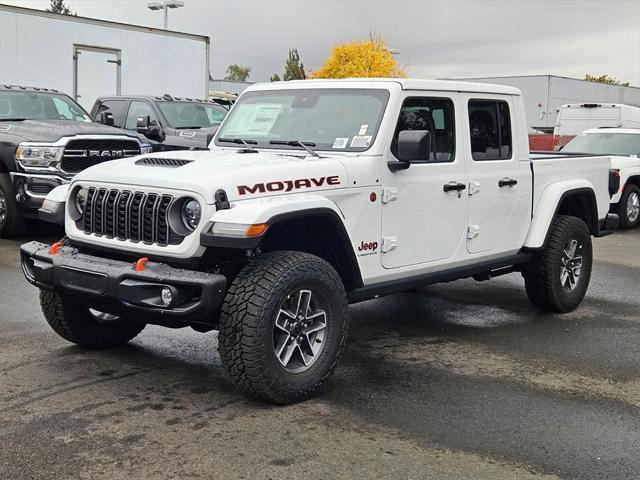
507, 182
453, 186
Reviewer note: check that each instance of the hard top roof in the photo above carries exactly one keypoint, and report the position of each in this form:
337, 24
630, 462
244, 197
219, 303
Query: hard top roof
405, 84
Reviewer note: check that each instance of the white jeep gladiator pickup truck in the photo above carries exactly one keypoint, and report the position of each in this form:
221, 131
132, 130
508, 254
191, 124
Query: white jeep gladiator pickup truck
314, 195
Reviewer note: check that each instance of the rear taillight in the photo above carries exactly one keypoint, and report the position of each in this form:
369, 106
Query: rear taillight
614, 181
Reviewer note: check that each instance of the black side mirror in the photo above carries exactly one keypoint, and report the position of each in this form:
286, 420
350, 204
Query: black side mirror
144, 127
413, 145
106, 118
142, 124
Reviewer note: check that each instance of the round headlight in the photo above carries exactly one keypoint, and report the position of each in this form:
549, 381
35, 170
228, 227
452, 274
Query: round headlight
81, 200
191, 213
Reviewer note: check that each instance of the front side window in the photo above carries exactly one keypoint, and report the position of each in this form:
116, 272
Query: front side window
116, 108
490, 129
436, 116
39, 106
605, 143
192, 114
140, 109
324, 119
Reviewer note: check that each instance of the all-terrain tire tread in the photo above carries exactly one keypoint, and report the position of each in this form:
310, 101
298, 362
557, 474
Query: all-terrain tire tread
75, 324
540, 274
242, 324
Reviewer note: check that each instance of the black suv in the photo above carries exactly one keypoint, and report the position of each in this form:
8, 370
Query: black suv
169, 123
45, 139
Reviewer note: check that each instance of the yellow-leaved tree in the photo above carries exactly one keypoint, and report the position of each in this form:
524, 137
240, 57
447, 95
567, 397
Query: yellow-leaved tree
366, 58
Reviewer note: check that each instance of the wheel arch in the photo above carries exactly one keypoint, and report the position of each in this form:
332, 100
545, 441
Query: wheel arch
578, 202
307, 223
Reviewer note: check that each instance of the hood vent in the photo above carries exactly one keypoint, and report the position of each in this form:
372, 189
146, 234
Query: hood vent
163, 162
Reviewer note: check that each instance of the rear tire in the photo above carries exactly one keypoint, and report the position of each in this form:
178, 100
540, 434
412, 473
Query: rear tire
79, 325
12, 223
629, 207
558, 275
283, 326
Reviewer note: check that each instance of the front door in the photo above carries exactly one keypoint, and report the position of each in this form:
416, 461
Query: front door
421, 222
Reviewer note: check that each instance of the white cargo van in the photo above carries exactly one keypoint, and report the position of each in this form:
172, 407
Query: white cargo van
575, 118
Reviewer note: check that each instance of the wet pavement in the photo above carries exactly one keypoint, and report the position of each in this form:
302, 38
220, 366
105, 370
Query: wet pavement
463, 380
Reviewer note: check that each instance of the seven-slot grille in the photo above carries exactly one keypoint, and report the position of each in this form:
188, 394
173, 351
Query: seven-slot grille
84, 153
127, 215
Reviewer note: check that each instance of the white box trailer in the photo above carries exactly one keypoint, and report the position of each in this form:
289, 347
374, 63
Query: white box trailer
87, 58
575, 118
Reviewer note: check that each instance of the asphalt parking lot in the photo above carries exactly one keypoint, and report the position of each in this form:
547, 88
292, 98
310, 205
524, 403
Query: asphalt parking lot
460, 380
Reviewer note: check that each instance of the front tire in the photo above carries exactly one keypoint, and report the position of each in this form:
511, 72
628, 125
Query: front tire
79, 325
558, 275
12, 222
283, 326
629, 207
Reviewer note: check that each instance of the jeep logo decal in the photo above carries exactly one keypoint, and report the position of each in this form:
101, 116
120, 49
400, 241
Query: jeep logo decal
288, 185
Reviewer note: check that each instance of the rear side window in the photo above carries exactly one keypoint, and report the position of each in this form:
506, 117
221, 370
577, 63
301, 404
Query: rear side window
490, 129
116, 108
435, 115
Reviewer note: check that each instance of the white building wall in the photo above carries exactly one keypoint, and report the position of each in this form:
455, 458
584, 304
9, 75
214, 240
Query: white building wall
37, 50
544, 94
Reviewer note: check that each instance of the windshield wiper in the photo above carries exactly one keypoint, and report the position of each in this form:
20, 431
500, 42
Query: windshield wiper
246, 143
195, 127
297, 143
13, 119
238, 140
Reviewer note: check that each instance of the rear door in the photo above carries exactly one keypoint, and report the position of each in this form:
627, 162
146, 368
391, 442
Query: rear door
96, 73
499, 194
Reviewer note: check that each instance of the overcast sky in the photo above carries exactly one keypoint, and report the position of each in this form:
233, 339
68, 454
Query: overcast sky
454, 38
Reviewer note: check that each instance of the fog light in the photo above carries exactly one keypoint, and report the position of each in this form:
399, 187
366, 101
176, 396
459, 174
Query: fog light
167, 296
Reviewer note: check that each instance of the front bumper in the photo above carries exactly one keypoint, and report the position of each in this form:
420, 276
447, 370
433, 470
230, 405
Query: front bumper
31, 189
116, 287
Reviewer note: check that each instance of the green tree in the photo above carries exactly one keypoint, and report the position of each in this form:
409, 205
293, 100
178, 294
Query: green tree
238, 73
275, 78
58, 6
293, 68
605, 79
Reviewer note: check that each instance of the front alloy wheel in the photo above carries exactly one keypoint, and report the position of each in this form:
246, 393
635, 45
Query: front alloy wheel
629, 207
633, 207
298, 332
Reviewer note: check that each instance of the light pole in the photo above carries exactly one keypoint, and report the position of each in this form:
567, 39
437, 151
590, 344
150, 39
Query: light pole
166, 5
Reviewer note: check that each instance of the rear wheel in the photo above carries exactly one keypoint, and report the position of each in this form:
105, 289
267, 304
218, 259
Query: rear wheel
84, 326
12, 223
283, 326
558, 275
629, 207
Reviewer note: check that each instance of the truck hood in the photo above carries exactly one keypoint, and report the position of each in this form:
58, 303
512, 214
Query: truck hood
54, 130
240, 175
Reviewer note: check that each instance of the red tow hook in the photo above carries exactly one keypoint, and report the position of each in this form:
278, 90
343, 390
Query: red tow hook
140, 264
55, 247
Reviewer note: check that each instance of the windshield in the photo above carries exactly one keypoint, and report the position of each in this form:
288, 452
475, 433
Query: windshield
192, 114
324, 119
29, 105
604, 142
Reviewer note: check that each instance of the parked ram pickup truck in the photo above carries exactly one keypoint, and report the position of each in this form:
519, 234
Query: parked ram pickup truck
45, 139
168, 123
315, 195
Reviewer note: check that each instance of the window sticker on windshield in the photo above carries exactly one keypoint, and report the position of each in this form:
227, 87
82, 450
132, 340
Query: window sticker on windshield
360, 141
340, 143
363, 129
254, 119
